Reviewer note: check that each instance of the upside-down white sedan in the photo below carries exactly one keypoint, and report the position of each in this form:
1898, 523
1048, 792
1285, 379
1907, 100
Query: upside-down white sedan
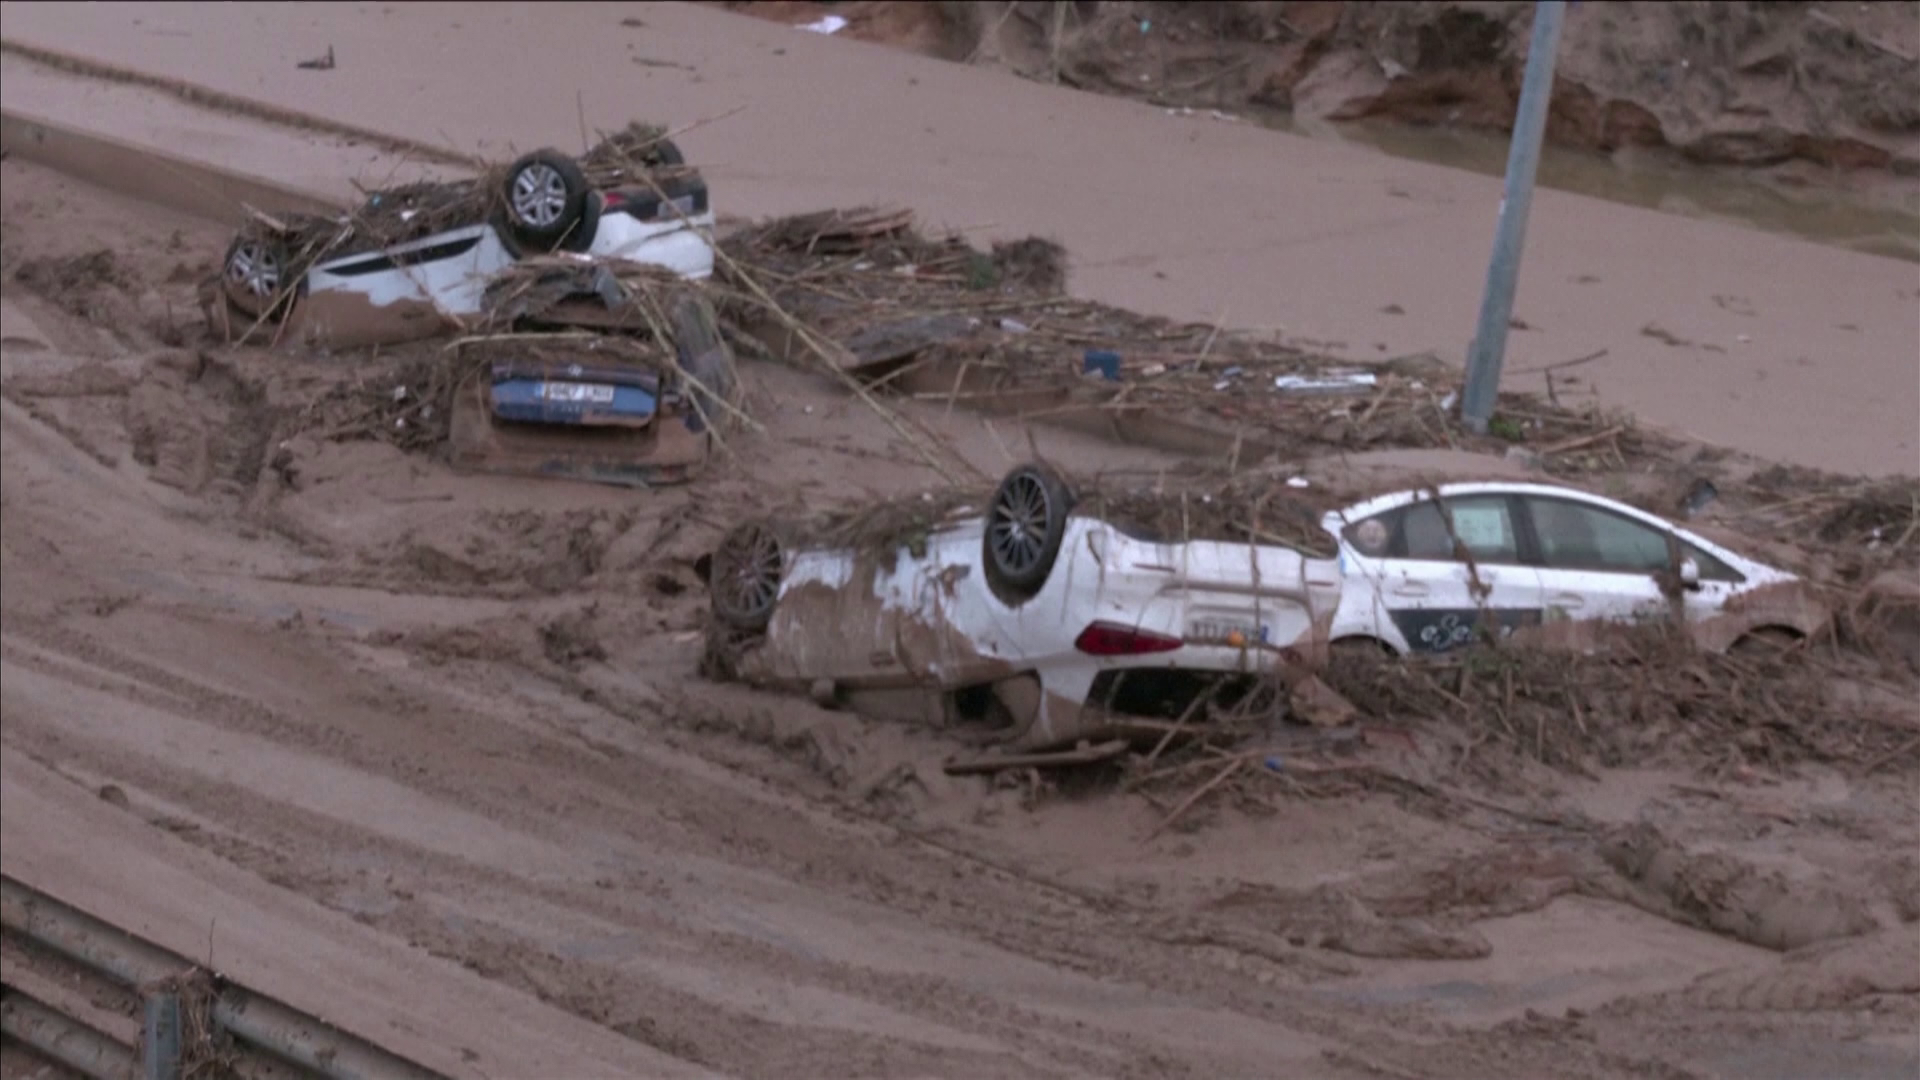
546, 204
1050, 625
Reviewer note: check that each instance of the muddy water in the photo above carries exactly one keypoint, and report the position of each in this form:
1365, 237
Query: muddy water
1879, 218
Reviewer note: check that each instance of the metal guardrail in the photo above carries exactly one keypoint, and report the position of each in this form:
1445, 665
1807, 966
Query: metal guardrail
252, 1021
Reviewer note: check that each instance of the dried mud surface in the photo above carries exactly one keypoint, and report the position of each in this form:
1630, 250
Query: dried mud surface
463, 711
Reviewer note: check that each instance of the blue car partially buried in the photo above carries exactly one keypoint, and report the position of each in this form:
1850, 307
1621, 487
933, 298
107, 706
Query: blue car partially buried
631, 408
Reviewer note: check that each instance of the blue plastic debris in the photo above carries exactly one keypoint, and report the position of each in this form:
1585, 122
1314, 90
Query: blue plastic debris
1104, 362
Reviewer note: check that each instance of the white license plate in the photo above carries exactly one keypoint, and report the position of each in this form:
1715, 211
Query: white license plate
1229, 633
588, 393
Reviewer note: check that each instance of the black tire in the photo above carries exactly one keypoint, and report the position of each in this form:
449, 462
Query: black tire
744, 577
1026, 522
705, 358
1766, 642
1361, 648
668, 152
545, 200
257, 275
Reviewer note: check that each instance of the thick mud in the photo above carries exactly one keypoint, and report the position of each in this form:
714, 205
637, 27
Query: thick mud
465, 712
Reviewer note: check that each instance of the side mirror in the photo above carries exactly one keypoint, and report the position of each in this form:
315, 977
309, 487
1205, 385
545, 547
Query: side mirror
1689, 575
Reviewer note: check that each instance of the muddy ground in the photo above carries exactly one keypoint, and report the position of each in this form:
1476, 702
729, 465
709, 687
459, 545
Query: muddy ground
463, 711
1813, 91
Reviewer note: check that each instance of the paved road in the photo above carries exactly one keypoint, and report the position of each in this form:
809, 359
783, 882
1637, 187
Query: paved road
1772, 345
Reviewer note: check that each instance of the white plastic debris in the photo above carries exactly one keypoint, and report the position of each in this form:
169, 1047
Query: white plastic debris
1153, 369
1014, 326
1333, 382
1215, 114
1446, 403
399, 393
825, 24
1298, 482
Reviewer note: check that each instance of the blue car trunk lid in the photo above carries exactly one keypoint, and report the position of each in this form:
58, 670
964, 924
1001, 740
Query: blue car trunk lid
538, 392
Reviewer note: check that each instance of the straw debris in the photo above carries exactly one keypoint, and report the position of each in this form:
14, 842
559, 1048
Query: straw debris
935, 318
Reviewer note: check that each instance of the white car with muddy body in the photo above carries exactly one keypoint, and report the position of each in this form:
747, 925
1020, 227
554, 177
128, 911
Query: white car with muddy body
1047, 620
413, 260
1430, 569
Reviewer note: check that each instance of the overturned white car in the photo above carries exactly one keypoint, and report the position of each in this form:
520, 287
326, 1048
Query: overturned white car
410, 260
1049, 619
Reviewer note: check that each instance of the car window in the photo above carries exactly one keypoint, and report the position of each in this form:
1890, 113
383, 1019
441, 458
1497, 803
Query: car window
1483, 524
1574, 536
1711, 568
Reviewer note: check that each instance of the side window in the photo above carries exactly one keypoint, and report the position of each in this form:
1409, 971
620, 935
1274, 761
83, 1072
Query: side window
1483, 524
1711, 569
1574, 536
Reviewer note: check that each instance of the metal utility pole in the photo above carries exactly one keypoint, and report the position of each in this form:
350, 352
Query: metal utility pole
1489, 347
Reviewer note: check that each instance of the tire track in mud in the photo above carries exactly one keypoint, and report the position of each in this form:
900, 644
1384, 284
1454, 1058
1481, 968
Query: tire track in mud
1225, 967
1060, 939
403, 889
1065, 928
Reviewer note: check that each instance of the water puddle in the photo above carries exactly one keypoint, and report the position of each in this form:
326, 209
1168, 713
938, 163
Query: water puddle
1883, 219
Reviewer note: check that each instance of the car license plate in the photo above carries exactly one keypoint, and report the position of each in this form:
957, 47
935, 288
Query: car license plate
578, 393
1226, 633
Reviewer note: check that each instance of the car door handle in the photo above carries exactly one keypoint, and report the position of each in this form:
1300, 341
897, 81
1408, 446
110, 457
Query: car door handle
1410, 588
1568, 600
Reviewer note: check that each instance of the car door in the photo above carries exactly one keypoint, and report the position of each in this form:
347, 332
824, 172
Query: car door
1597, 563
1428, 594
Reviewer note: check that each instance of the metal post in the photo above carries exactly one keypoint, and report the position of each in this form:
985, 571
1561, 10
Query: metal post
160, 1038
1489, 347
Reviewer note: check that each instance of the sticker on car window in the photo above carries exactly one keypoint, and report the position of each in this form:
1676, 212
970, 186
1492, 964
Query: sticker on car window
1481, 528
1371, 536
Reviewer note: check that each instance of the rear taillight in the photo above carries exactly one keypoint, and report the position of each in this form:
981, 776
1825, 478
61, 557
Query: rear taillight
612, 200
1112, 639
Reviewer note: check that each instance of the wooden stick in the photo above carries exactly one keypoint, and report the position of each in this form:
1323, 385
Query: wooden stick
1233, 766
1587, 359
1585, 440
1089, 755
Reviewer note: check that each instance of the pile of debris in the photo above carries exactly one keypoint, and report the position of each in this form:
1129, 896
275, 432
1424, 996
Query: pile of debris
1878, 518
548, 292
1166, 506
1648, 696
638, 154
1485, 715
936, 318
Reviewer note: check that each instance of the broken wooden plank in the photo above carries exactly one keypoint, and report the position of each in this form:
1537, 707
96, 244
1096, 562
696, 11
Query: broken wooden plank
1081, 755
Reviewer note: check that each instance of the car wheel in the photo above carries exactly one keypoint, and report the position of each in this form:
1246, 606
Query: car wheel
1361, 648
704, 357
668, 152
255, 274
1026, 521
1765, 642
545, 196
744, 578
